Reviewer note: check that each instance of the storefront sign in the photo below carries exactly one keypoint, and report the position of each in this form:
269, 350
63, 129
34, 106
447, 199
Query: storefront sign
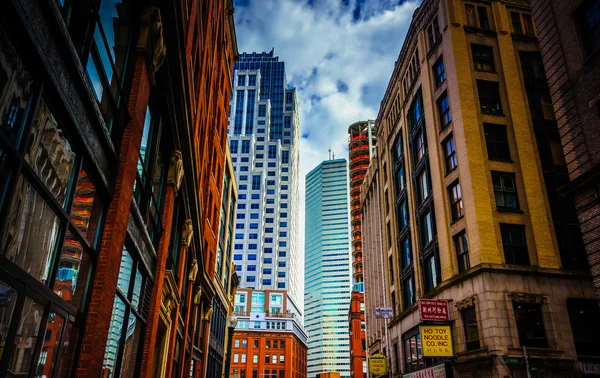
438, 371
378, 364
430, 309
383, 312
589, 368
436, 341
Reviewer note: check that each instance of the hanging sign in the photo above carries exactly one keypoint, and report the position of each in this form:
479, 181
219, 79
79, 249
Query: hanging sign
433, 309
378, 364
436, 340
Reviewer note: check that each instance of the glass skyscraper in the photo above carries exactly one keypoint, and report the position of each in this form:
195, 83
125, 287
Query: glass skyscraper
327, 269
263, 138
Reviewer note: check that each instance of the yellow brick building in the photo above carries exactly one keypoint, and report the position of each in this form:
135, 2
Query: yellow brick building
470, 160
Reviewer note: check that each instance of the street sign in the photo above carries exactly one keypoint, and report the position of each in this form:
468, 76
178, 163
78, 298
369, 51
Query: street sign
438, 371
433, 309
378, 364
383, 312
436, 340
589, 368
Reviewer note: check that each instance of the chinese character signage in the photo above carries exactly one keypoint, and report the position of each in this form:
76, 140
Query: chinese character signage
436, 310
589, 368
438, 371
377, 364
436, 341
383, 312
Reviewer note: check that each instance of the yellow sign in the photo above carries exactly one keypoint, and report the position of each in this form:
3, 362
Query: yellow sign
436, 341
378, 364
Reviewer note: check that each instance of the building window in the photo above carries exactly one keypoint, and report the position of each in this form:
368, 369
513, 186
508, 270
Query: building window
449, 154
496, 142
405, 253
462, 251
477, 16
423, 187
444, 110
272, 152
408, 291
252, 80
431, 272
426, 228
419, 144
489, 97
505, 190
233, 146
514, 244
483, 58
241, 80
588, 20
256, 182
245, 146
439, 72
413, 351
584, 315
516, 23
433, 33
482, 13
530, 325
456, 204
470, 325
402, 213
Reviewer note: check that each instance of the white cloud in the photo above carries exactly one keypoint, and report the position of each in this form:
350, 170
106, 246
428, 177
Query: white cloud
339, 61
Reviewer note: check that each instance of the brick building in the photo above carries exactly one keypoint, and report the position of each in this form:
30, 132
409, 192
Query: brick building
269, 340
569, 39
113, 141
469, 161
356, 320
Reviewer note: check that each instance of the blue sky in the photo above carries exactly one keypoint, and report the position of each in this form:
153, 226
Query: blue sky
339, 54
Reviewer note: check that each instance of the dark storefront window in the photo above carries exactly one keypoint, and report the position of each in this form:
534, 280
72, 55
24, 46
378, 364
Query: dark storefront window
413, 351
584, 315
471, 331
50, 220
530, 325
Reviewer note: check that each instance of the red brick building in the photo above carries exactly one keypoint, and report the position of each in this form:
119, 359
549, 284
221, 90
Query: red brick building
112, 151
569, 39
358, 350
268, 340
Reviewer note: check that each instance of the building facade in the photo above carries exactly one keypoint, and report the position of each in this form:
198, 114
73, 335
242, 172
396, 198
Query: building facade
327, 268
568, 39
470, 160
263, 134
269, 340
112, 176
361, 142
374, 261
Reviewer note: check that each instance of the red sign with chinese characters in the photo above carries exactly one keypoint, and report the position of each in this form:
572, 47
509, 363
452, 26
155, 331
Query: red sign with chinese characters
436, 310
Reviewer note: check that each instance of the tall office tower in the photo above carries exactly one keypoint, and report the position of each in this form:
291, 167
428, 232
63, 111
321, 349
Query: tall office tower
470, 160
263, 135
327, 268
569, 42
361, 142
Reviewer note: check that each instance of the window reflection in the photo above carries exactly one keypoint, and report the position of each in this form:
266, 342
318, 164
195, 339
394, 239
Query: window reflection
73, 270
50, 154
15, 89
8, 298
86, 207
114, 338
125, 272
54, 330
24, 342
29, 236
133, 337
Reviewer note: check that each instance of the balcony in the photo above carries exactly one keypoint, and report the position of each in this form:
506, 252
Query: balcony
355, 220
356, 240
358, 169
357, 181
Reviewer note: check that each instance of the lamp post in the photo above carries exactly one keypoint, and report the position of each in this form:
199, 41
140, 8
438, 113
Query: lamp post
231, 323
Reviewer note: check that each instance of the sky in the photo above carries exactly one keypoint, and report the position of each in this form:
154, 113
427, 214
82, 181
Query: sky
339, 54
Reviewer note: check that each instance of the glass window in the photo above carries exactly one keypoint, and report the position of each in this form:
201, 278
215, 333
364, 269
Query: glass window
408, 291
24, 345
419, 147
73, 271
8, 300
413, 352
456, 204
516, 23
482, 12
483, 58
496, 142
444, 110
462, 251
505, 190
241, 80
423, 185
449, 154
402, 213
470, 13
431, 272
426, 228
530, 325
489, 97
439, 72
470, 325
584, 315
405, 253
251, 80
514, 244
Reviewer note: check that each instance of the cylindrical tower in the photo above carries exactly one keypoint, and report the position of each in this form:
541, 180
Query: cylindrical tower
360, 145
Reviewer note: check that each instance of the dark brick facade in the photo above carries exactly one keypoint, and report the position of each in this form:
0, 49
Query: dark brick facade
573, 73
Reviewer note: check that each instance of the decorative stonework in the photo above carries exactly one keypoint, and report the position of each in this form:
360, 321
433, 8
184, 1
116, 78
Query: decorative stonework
151, 40
170, 295
208, 314
187, 233
175, 175
527, 298
197, 295
193, 270
465, 303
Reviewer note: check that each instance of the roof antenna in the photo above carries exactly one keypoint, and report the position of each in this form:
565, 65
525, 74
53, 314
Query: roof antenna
329, 154
333, 153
